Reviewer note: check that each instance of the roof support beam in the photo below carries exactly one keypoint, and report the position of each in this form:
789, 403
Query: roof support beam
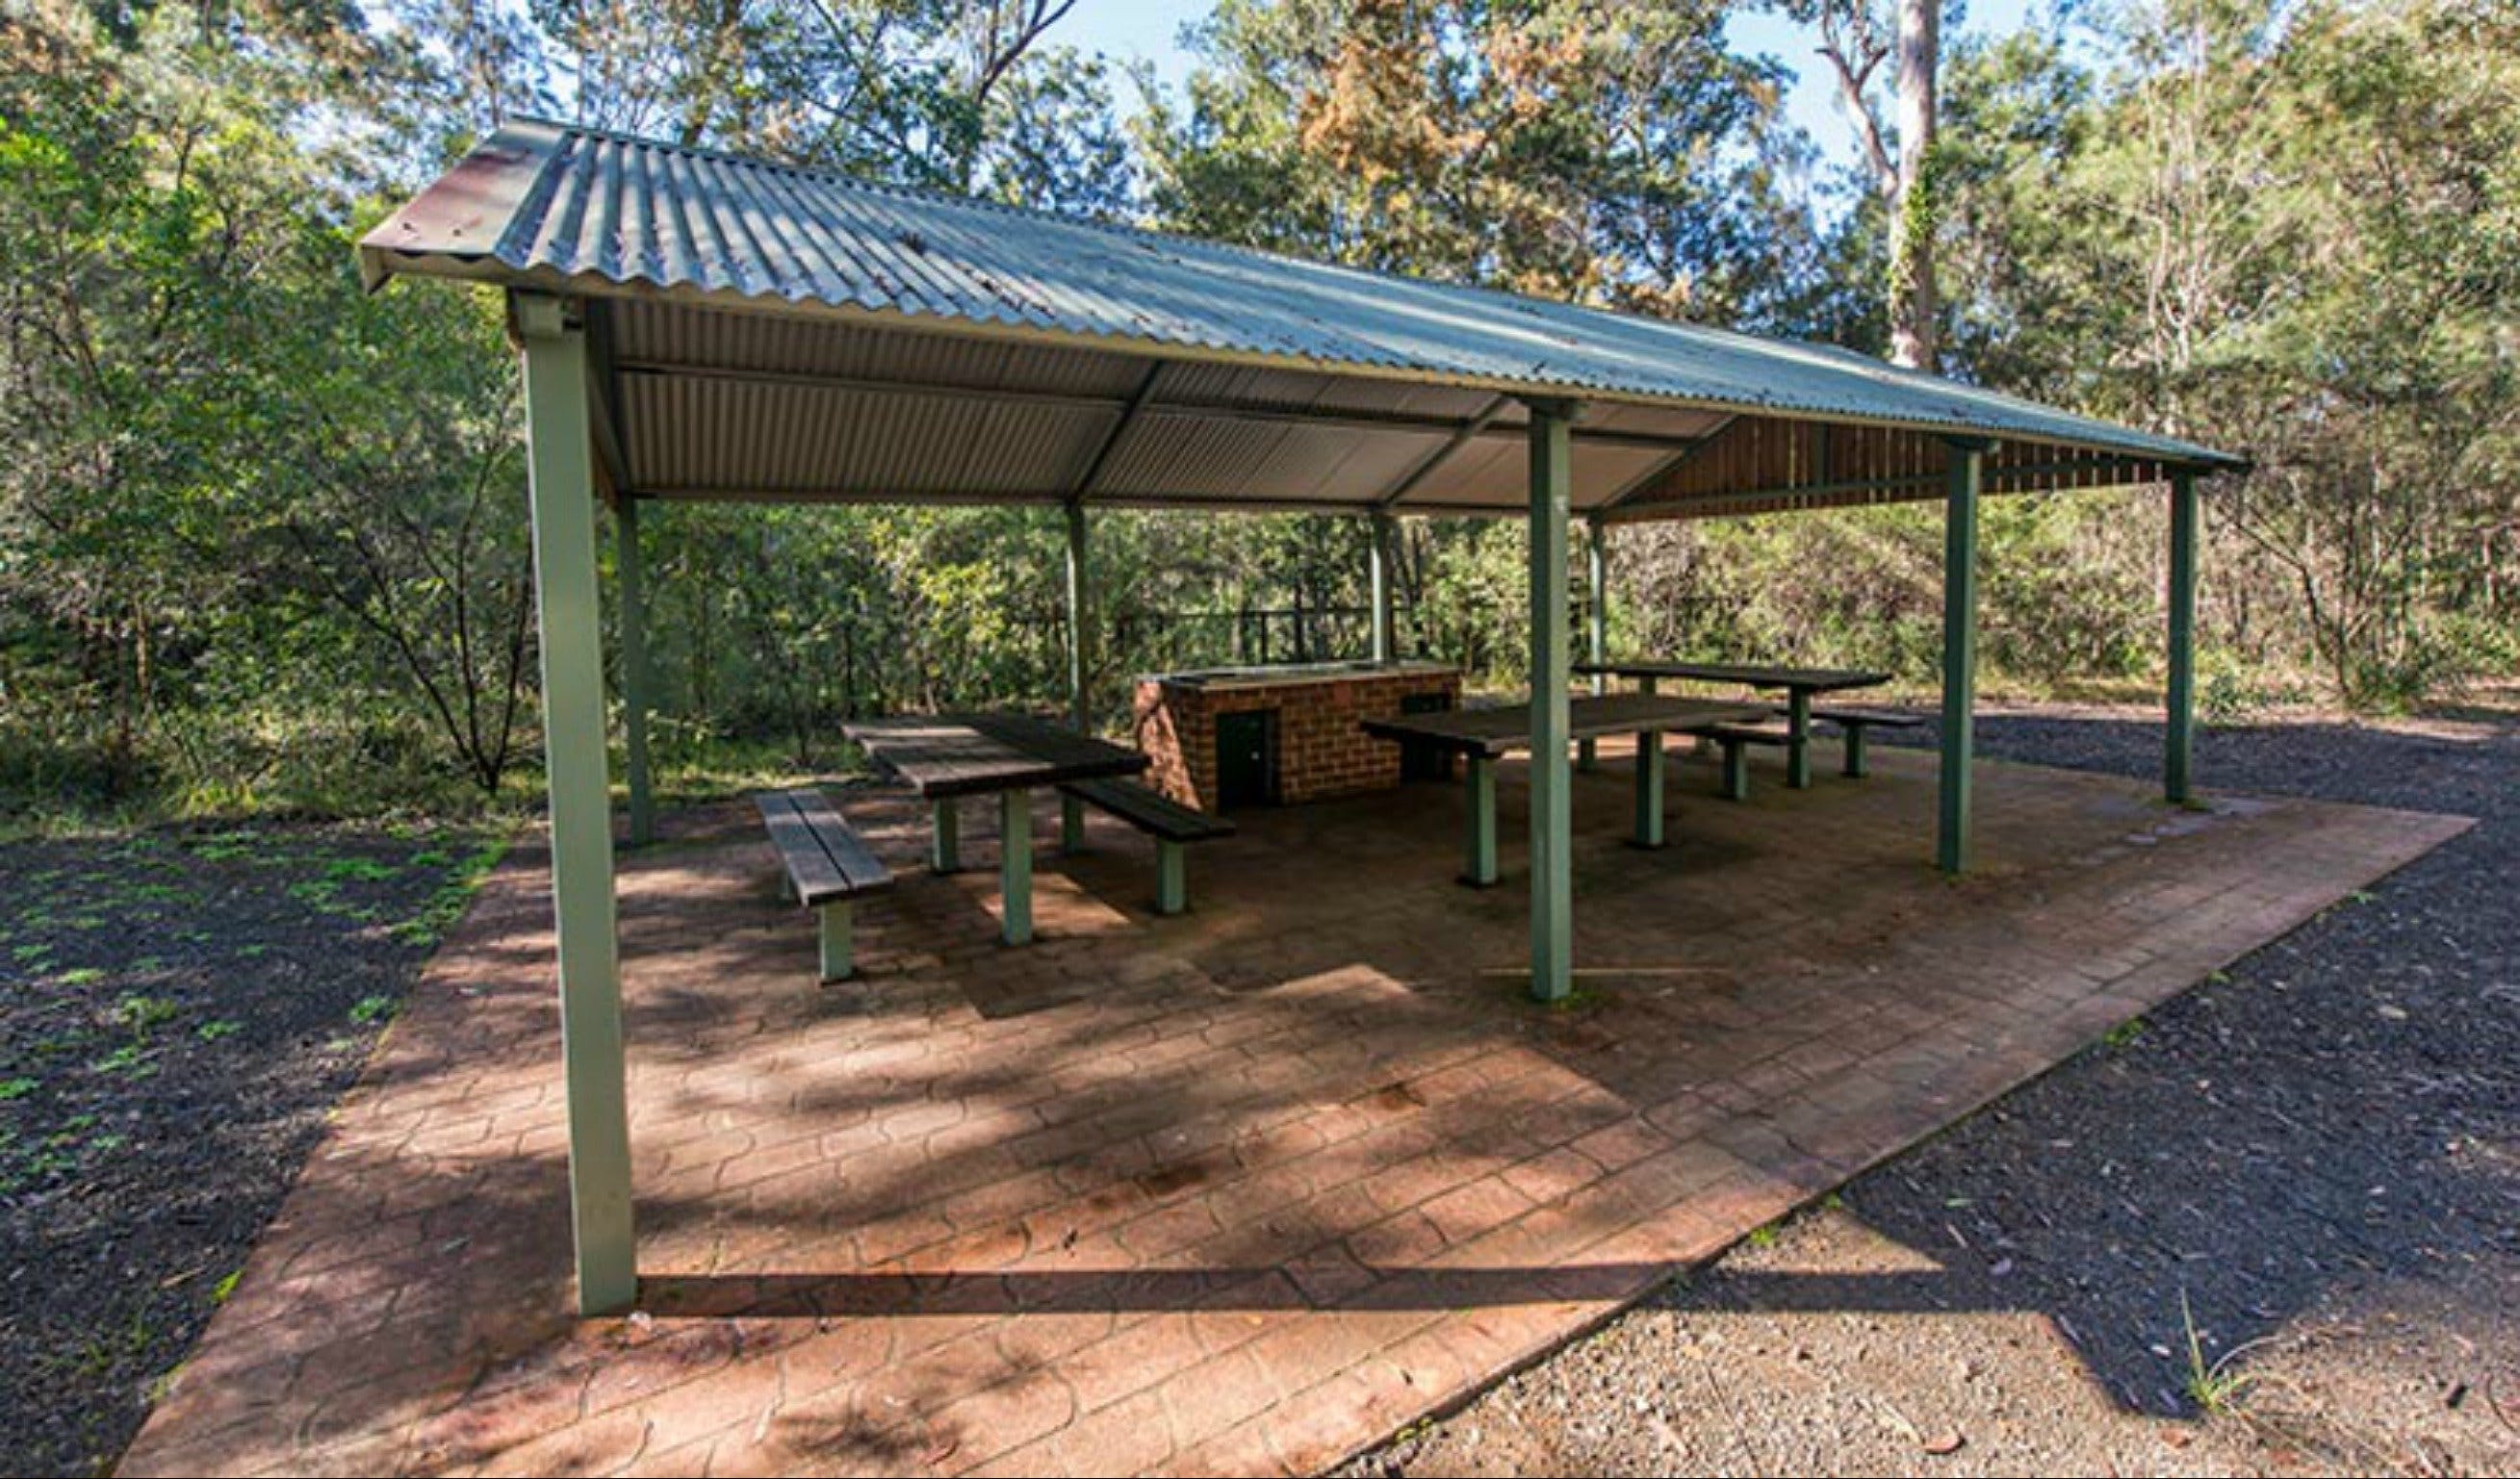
1649, 475
1467, 433
629, 566
1112, 439
1552, 823
1596, 626
2011, 478
1382, 534
1080, 700
611, 439
2185, 515
558, 443
1964, 479
1353, 419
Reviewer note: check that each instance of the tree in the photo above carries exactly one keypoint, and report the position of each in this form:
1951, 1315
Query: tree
1574, 149
1856, 39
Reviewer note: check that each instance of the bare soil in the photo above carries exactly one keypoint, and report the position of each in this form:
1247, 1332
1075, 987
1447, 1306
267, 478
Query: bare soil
2274, 1229
179, 1009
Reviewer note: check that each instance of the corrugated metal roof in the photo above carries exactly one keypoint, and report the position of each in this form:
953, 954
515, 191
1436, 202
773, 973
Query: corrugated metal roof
678, 236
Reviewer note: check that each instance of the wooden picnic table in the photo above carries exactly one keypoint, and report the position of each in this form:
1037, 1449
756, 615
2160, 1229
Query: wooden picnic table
945, 757
1797, 684
1482, 735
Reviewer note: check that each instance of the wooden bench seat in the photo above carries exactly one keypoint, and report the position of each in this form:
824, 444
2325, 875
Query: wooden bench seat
1736, 740
1854, 721
828, 867
1172, 825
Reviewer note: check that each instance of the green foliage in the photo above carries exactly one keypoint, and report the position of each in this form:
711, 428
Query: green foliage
262, 534
1575, 150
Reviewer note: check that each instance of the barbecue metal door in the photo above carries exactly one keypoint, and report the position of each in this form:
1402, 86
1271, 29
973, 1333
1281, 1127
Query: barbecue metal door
1246, 759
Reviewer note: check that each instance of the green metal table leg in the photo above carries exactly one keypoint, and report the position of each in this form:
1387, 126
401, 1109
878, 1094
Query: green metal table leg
1648, 790
1071, 824
1482, 833
1737, 769
1172, 878
1854, 768
945, 840
839, 945
1798, 741
1014, 864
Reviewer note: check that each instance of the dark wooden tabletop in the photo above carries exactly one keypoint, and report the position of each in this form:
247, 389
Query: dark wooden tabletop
969, 754
1494, 732
1758, 675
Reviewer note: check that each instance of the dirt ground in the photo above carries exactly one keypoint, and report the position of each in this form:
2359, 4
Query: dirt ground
2273, 1229
179, 1009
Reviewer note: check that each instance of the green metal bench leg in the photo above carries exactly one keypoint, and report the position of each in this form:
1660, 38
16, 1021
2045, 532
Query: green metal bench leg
839, 943
1854, 768
1798, 743
1737, 769
1071, 825
945, 840
1648, 790
1172, 878
1014, 864
1586, 755
1481, 838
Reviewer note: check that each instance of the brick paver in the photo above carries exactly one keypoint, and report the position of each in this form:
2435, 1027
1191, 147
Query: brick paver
1243, 1190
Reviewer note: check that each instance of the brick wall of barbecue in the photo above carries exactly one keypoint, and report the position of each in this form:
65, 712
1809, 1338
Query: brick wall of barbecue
1321, 750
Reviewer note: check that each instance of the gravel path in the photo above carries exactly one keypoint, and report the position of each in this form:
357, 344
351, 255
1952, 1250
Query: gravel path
2311, 1166
178, 1013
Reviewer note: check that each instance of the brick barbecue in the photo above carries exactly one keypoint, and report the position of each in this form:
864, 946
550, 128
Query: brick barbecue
1299, 721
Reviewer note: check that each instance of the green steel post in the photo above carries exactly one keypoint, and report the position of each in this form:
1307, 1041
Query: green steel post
1080, 616
945, 838
558, 458
1597, 623
1384, 532
1855, 769
1959, 652
635, 681
839, 946
1552, 874
2185, 513
1736, 770
1480, 838
1014, 864
1798, 738
1649, 789
1172, 878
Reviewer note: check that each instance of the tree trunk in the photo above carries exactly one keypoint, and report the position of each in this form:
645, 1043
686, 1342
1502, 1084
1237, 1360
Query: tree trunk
1913, 303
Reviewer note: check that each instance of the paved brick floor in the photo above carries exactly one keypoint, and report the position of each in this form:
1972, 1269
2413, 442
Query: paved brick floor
1238, 1191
